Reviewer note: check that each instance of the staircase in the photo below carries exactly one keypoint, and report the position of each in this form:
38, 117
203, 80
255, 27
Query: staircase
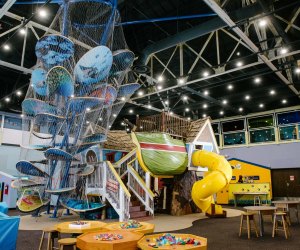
131, 199
137, 210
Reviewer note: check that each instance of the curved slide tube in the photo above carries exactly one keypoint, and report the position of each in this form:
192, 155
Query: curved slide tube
218, 176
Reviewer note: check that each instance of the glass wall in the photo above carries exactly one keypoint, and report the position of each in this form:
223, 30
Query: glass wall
261, 129
234, 132
267, 128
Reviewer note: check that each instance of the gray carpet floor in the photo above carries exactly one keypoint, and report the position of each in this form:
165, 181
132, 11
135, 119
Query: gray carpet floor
222, 233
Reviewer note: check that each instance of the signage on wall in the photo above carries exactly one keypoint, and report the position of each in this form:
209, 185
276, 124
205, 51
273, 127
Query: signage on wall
292, 177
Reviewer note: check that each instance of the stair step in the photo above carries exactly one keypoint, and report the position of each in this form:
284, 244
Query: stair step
136, 208
134, 203
138, 214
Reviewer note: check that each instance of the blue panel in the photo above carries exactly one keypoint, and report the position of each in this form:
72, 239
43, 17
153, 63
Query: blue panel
8, 232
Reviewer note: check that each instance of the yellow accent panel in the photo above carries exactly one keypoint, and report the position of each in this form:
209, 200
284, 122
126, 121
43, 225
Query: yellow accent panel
218, 177
249, 187
246, 169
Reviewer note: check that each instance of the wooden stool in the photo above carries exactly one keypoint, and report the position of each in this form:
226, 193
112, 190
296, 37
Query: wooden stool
284, 208
248, 216
280, 216
52, 234
67, 242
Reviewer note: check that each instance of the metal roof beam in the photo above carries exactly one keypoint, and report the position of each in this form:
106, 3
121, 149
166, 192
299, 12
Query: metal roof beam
221, 13
197, 31
6, 7
16, 67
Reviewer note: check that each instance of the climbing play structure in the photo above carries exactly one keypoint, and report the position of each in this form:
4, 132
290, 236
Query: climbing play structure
80, 83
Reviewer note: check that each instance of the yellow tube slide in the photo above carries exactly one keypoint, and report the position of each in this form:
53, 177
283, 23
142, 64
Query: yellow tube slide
218, 176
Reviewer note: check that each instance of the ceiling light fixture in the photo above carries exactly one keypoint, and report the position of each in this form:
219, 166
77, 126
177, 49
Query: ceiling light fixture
262, 23
238, 53
159, 87
42, 13
72, 96
205, 74
7, 99
114, 115
171, 113
149, 106
140, 93
239, 64
184, 98
283, 51
230, 87
160, 78
241, 109
167, 102
130, 111
181, 80
247, 97
224, 102
204, 115
22, 31
88, 109
284, 101
204, 105
6, 47
205, 92
257, 80
297, 70
261, 105
221, 112
187, 109
19, 93
189, 118
272, 92
123, 98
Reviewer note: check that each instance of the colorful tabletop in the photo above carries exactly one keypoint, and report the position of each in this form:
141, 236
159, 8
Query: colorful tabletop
161, 242
109, 240
93, 226
144, 227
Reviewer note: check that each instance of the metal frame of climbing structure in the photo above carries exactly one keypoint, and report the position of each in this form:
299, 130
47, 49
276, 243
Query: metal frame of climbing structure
74, 97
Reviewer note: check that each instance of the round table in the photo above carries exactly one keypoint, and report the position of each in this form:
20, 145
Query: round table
65, 228
260, 209
146, 240
87, 241
288, 204
145, 227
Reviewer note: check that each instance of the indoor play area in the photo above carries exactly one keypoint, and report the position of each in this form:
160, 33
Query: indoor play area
130, 125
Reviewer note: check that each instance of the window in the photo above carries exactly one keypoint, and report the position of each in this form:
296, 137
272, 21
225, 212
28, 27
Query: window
288, 118
234, 138
288, 133
217, 139
233, 126
262, 135
215, 128
12, 123
260, 122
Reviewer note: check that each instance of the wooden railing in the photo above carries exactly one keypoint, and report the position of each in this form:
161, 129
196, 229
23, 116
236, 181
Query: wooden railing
140, 188
164, 122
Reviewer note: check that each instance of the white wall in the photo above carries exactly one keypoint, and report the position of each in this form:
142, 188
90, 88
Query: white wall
286, 155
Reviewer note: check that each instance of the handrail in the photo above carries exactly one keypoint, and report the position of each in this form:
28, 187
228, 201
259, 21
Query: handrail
137, 176
140, 187
123, 159
118, 178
